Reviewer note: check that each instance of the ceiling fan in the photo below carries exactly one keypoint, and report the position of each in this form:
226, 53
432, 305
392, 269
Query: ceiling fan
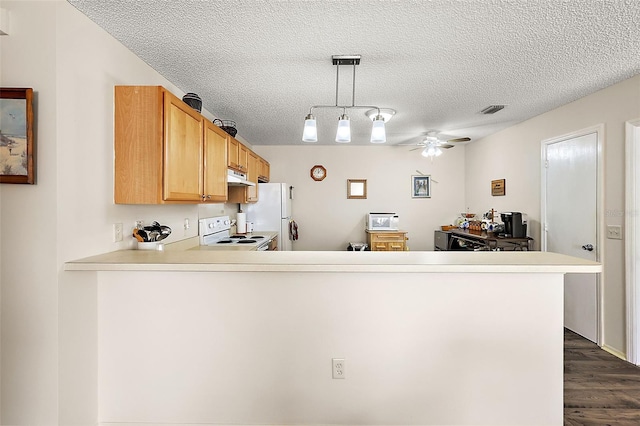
433, 143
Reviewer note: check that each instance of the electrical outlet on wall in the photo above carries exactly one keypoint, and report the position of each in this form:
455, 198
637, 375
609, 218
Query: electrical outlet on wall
117, 232
338, 368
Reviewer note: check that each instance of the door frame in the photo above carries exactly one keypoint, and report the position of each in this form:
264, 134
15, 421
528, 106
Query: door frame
632, 245
600, 216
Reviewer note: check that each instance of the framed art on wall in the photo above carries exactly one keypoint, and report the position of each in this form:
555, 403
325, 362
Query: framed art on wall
498, 187
16, 136
421, 186
357, 188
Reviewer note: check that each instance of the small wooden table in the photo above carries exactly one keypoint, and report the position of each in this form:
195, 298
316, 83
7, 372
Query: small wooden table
387, 240
489, 241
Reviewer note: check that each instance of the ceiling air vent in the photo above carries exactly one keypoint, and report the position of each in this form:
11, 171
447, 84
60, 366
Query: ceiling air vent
492, 109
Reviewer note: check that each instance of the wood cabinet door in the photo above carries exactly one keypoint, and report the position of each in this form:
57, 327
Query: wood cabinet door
183, 137
264, 167
243, 158
233, 151
215, 163
252, 176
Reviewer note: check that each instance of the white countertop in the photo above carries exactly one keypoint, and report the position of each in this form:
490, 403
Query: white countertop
334, 261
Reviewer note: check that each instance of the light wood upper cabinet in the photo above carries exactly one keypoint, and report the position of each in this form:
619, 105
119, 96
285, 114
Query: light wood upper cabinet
233, 152
183, 164
160, 150
252, 176
247, 194
264, 170
243, 158
215, 163
238, 155
168, 153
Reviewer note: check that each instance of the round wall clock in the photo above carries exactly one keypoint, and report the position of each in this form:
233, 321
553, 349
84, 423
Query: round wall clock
318, 172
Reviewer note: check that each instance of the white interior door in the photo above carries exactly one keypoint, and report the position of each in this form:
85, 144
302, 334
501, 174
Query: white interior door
570, 193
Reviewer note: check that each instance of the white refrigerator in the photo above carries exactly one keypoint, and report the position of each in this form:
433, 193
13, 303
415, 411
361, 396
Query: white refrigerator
272, 212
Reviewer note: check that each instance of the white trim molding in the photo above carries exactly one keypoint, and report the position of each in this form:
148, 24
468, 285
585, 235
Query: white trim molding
599, 129
632, 240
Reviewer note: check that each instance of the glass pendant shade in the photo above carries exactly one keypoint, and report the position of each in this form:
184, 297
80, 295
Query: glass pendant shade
343, 135
310, 133
378, 134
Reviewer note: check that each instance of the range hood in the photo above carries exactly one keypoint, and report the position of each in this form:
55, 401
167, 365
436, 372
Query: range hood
235, 178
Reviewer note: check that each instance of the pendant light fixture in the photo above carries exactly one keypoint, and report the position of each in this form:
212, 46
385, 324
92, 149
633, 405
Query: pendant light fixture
343, 133
310, 133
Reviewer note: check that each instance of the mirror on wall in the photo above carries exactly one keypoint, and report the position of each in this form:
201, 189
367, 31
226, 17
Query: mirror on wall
357, 188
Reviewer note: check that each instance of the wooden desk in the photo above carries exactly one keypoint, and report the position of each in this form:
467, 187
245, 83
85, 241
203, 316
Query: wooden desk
482, 240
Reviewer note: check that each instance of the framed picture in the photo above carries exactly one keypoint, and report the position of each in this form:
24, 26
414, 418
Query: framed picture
16, 136
356, 188
421, 186
498, 187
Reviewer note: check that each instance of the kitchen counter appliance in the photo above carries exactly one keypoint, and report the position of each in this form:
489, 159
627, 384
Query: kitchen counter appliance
381, 222
214, 231
514, 227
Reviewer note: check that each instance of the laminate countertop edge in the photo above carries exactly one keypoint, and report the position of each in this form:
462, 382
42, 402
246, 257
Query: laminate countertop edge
335, 261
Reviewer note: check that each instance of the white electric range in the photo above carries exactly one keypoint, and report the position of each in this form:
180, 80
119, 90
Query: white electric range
215, 231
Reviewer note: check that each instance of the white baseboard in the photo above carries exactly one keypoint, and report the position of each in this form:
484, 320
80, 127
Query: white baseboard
615, 352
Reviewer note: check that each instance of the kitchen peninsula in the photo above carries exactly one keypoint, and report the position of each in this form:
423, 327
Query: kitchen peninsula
248, 337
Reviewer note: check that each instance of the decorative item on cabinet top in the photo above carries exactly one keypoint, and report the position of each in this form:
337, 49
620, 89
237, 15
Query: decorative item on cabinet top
193, 101
228, 126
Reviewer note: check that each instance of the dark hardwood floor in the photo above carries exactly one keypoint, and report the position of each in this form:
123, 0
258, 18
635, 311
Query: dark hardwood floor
599, 388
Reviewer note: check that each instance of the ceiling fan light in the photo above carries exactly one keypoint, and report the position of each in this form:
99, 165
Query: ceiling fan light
343, 135
378, 133
431, 151
310, 133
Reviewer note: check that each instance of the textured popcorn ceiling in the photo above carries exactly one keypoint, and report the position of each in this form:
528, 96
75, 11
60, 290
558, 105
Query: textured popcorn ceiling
438, 63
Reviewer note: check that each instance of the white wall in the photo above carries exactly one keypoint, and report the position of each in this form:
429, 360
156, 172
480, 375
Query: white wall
48, 327
329, 221
29, 230
255, 348
515, 154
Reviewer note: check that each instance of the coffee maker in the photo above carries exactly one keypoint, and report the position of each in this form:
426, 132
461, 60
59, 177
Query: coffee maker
513, 226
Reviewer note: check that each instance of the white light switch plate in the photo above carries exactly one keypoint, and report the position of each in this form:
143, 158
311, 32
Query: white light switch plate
614, 232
